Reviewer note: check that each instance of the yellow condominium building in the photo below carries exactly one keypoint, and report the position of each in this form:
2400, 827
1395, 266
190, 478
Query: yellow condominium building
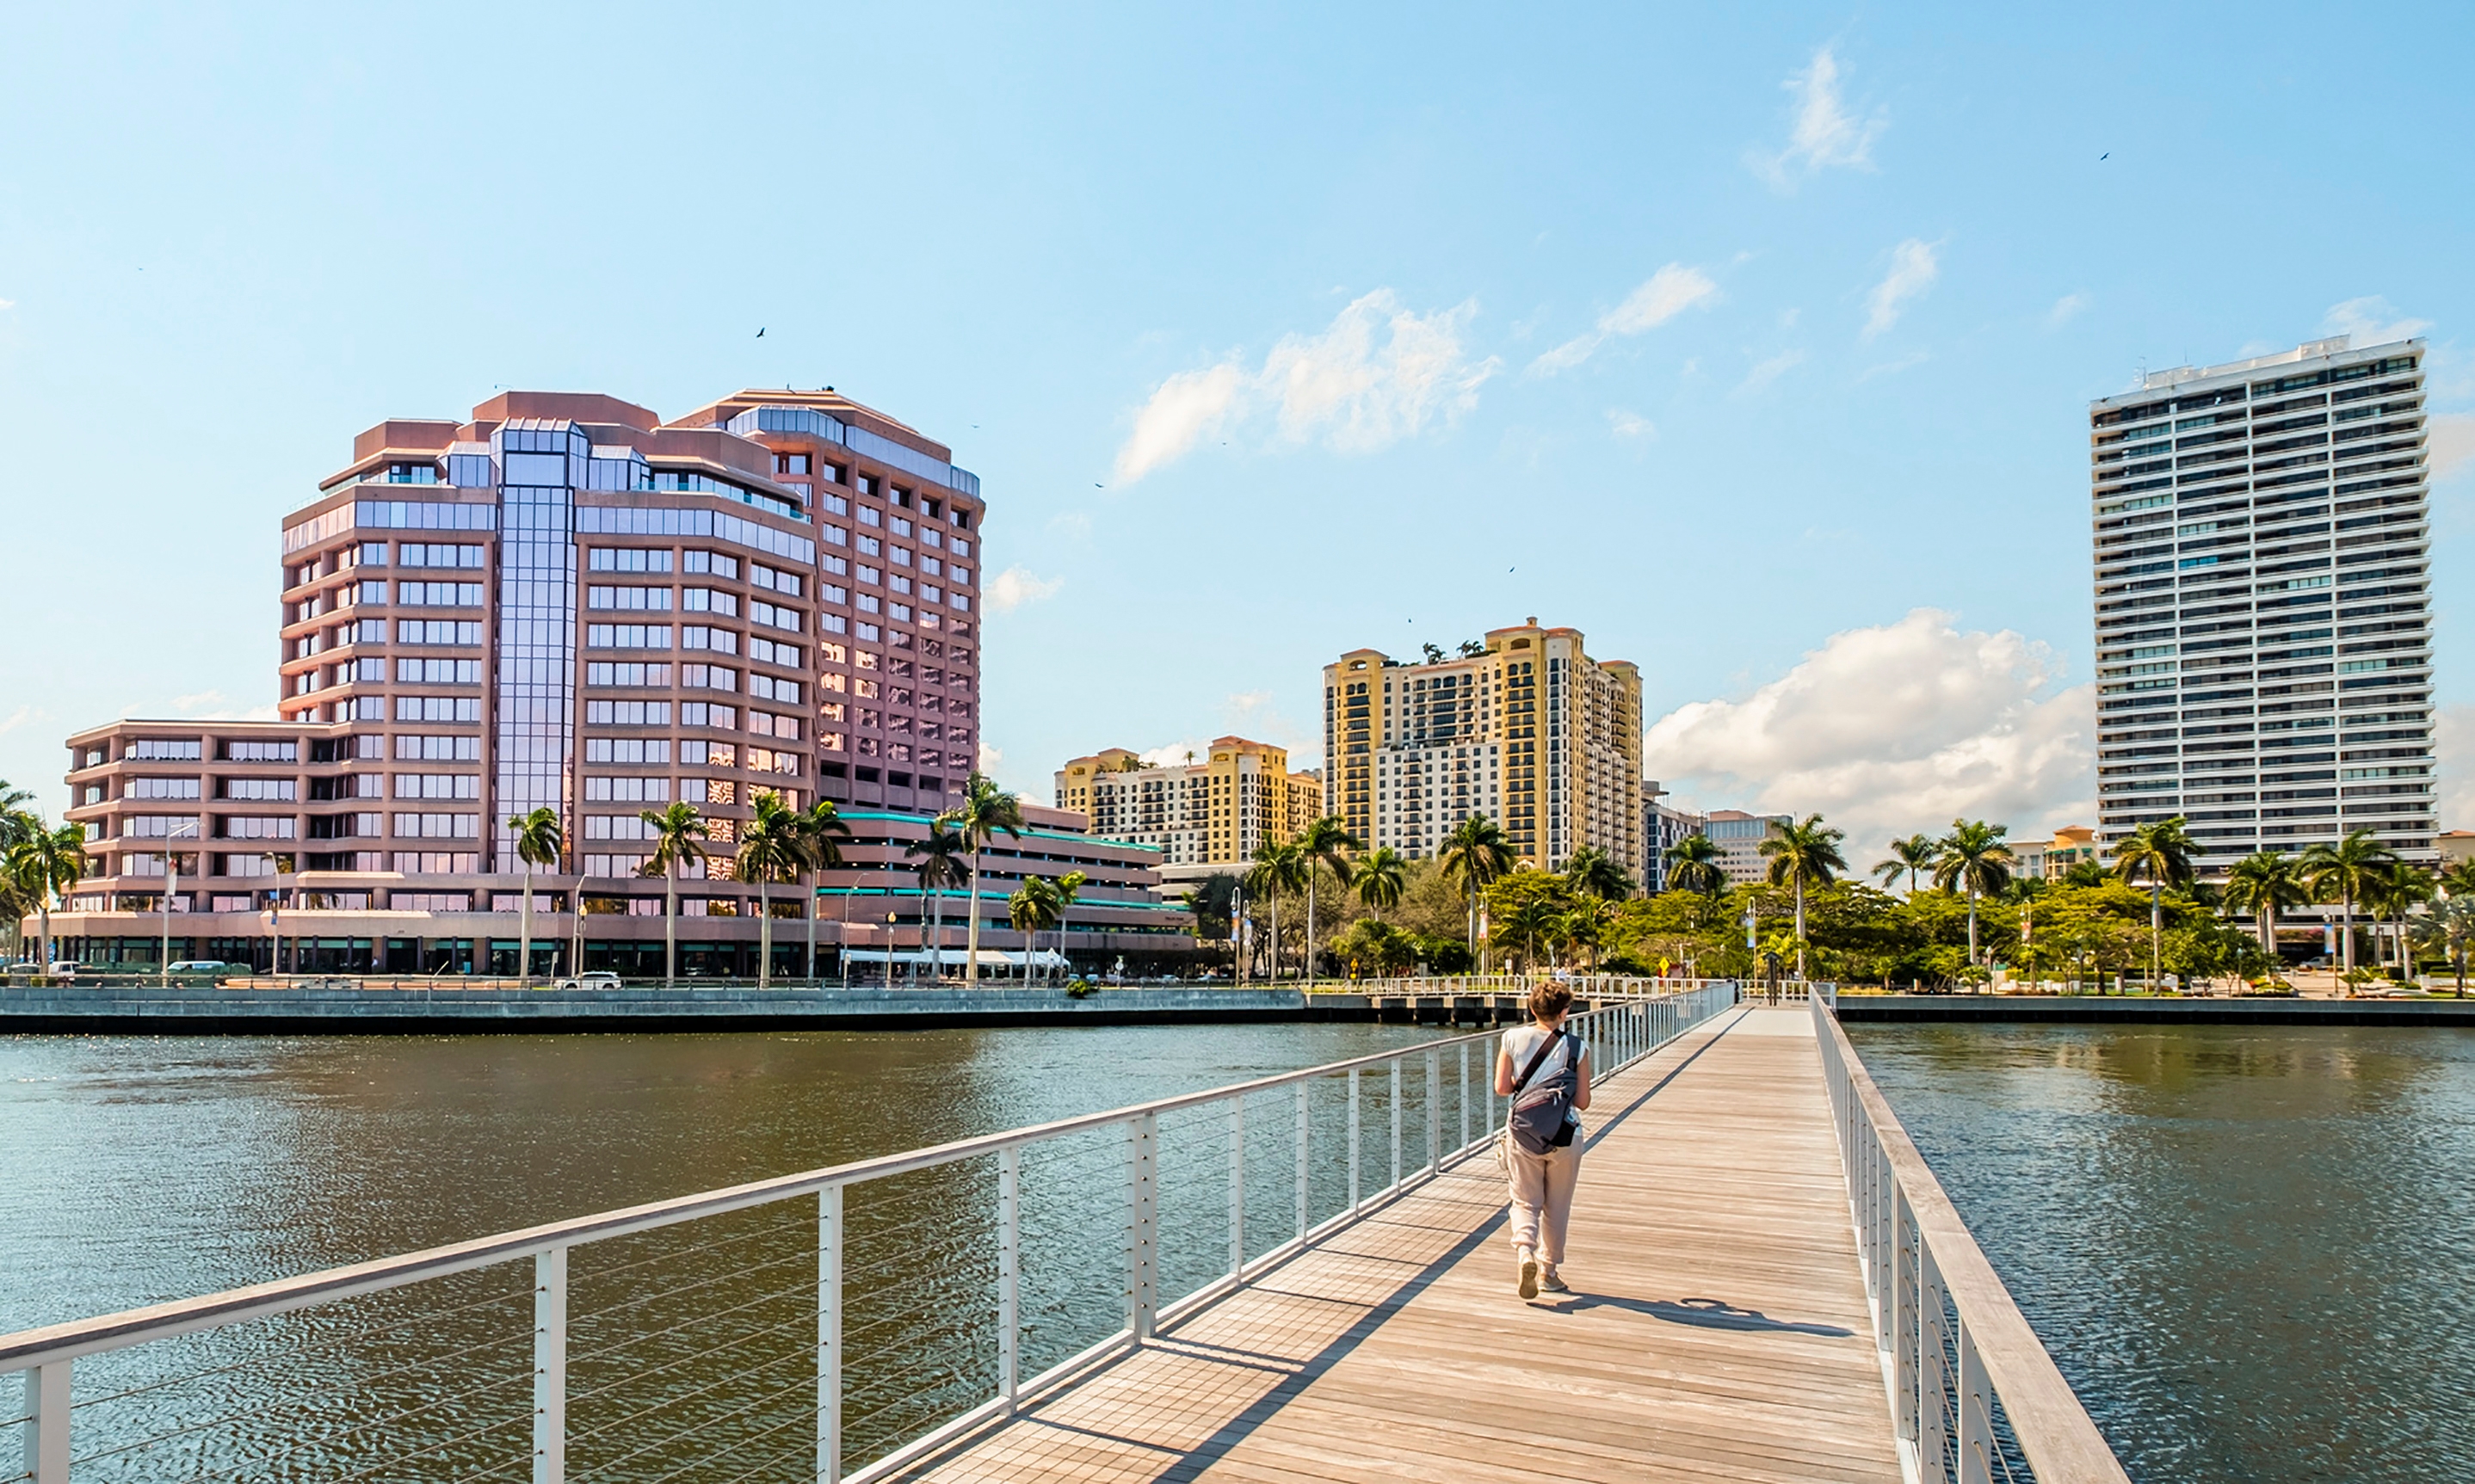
1526, 729
1208, 813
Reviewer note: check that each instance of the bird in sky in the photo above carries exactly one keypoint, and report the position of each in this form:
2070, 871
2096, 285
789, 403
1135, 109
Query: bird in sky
760, 331
2102, 159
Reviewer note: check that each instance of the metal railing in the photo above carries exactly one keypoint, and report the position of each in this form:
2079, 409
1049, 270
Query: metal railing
1587, 986
1974, 1393
867, 1314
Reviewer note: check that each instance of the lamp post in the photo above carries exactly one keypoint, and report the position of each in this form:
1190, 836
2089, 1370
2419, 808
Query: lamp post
171, 887
890, 919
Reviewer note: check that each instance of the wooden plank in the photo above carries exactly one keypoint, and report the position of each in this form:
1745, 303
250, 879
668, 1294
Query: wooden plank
1717, 1329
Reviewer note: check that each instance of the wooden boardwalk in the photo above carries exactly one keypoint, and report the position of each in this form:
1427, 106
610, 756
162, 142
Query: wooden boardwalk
1717, 1328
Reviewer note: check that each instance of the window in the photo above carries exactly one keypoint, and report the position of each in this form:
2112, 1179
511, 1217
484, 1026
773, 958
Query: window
413, 747
710, 600
628, 636
790, 463
626, 749
436, 595
711, 677
437, 786
437, 708
374, 554
438, 671
245, 789
437, 631
629, 599
156, 749
765, 613
437, 862
414, 553
627, 559
262, 752
771, 653
606, 673
786, 583
896, 523
766, 688
719, 641
713, 562
630, 791
437, 826
627, 713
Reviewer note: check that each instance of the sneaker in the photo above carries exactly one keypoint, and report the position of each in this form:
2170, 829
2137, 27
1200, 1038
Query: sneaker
1552, 1282
1528, 1274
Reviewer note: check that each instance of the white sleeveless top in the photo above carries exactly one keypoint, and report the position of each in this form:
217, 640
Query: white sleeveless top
1521, 1043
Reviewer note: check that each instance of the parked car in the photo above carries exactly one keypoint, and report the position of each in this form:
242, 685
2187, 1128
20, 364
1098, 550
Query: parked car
201, 968
67, 968
591, 979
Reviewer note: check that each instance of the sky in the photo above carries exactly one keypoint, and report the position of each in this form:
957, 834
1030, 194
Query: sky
1755, 342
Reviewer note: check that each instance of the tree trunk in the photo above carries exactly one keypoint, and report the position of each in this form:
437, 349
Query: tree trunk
1971, 923
808, 910
1800, 927
525, 934
936, 931
1313, 872
2156, 928
2346, 942
671, 924
764, 931
1276, 938
971, 949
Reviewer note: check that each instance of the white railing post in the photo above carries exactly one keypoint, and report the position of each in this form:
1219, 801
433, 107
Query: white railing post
1352, 1139
550, 1366
829, 1335
1905, 1316
1303, 1100
1142, 1224
1435, 1112
1933, 1390
1237, 1185
1975, 1414
1009, 1274
1396, 1125
1464, 1098
45, 1431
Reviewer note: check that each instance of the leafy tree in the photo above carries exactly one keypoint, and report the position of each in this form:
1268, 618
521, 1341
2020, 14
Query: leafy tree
539, 841
1474, 854
678, 838
773, 848
1070, 887
1034, 907
1907, 857
1693, 865
1324, 843
1593, 872
1378, 879
940, 867
2346, 872
1803, 856
1213, 901
2446, 930
2400, 890
2085, 873
2162, 852
821, 833
2262, 884
986, 810
1973, 858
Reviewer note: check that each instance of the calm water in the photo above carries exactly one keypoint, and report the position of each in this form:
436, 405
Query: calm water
139, 1170
2247, 1247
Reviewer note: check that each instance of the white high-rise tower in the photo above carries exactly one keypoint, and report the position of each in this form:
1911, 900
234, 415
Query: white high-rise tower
2264, 637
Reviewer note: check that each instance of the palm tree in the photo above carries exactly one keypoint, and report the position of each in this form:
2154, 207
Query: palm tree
1533, 918
821, 833
2400, 890
2447, 930
941, 866
1909, 856
773, 846
1594, 873
986, 810
44, 863
1277, 868
678, 838
1474, 854
1068, 886
1801, 855
2160, 851
539, 840
1378, 879
1324, 843
1693, 865
1034, 906
2348, 872
1973, 856
2262, 884
1585, 924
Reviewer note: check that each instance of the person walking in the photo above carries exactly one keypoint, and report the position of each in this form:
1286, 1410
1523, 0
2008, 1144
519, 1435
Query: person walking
1545, 1070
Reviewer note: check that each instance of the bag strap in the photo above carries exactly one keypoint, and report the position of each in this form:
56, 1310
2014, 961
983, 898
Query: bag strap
1546, 1045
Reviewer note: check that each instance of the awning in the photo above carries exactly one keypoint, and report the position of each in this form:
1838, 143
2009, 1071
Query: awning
955, 958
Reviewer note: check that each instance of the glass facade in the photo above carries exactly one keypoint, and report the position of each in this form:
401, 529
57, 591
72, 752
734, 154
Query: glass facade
536, 638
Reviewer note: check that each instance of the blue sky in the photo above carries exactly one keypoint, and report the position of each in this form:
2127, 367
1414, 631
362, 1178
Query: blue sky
1754, 344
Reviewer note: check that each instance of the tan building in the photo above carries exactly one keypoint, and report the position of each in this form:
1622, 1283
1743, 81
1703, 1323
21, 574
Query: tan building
2072, 844
1527, 729
1739, 836
1207, 814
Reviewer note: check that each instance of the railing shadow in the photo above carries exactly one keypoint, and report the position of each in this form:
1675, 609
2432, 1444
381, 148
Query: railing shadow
1700, 1313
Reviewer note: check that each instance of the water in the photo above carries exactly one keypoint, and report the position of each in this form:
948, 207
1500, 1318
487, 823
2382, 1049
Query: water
2247, 1247
140, 1169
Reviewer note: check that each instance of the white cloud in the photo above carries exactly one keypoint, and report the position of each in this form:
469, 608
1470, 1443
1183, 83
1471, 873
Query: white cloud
23, 716
1662, 297
1376, 374
2067, 308
1014, 587
1914, 267
1176, 754
1631, 425
2451, 442
2371, 320
7, 303
1246, 703
1823, 134
215, 705
1770, 371
1894, 368
1071, 523
991, 760
1893, 729
2454, 749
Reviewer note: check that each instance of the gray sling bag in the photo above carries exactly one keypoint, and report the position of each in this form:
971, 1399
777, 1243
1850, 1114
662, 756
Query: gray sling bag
1540, 1119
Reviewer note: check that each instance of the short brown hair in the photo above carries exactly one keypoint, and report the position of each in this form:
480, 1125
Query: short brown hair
1548, 1000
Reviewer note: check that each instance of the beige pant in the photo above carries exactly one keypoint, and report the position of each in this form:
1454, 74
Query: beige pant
1543, 1196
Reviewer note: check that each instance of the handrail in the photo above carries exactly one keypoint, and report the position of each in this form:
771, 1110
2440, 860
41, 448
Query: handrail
1953, 1344
1153, 1168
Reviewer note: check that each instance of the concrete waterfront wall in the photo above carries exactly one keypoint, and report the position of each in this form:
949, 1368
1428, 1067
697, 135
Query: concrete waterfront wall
350, 1009
2118, 1009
